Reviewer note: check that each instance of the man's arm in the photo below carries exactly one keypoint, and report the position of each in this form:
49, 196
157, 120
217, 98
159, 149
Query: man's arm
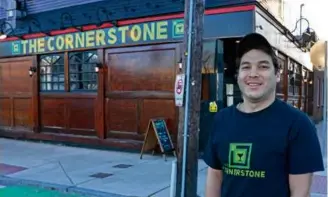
213, 183
300, 185
211, 158
304, 156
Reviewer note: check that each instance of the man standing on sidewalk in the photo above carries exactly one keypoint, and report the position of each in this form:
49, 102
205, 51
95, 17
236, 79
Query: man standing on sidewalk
262, 146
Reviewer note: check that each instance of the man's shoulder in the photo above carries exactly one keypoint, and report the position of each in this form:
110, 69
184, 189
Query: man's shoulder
224, 113
288, 111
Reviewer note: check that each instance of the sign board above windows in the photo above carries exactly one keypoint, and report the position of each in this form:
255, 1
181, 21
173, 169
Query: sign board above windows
137, 33
159, 31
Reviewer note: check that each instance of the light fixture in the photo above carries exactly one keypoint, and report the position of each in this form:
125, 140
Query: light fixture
98, 66
180, 63
2, 36
32, 70
317, 55
4, 30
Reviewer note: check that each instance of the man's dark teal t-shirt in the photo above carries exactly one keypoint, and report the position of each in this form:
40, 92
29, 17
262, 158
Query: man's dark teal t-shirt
257, 151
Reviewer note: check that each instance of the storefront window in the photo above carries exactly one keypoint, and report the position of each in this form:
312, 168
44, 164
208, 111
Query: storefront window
291, 78
304, 81
208, 58
280, 85
208, 69
82, 75
52, 74
298, 79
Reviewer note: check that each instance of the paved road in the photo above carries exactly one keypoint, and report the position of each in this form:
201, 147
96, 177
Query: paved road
29, 191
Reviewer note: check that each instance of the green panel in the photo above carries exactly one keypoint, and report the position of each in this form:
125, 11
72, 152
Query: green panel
25, 191
151, 32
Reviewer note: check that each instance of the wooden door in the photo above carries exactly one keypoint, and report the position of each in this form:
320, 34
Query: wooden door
140, 86
16, 94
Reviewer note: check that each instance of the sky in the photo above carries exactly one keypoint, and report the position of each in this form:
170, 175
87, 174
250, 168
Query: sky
316, 11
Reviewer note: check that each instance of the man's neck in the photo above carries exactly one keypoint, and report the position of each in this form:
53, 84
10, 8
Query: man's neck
249, 106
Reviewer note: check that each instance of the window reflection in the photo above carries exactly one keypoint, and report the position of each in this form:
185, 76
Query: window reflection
82, 75
52, 77
208, 59
208, 69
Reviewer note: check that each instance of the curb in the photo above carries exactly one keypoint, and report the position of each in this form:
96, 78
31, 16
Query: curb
4, 180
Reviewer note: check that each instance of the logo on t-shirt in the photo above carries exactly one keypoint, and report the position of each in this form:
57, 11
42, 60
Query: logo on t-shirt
240, 155
239, 163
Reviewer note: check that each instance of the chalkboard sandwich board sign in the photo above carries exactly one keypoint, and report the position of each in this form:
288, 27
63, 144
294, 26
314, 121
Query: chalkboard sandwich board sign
158, 134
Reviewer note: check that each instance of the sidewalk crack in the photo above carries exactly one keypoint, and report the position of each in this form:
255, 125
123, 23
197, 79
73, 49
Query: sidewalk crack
69, 178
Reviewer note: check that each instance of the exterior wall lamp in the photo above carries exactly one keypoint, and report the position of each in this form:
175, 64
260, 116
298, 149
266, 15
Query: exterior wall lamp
180, 63
98, 66
32, 70
3, 30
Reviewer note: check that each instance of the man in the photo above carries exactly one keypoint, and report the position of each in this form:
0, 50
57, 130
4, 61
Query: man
261, 147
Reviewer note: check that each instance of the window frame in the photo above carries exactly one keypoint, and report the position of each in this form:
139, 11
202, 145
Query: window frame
67, 79
40, 66
96, 80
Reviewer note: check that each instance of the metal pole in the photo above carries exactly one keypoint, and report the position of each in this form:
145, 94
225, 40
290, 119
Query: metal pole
173, 178
301, 16
185, 124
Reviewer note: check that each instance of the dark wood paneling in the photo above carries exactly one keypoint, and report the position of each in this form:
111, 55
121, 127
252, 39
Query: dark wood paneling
140, 83
52, 112
122, 115
66, 68
22, 112
158, 108
16, 93
14, 78
142, 70
5, 112
75, 115
100, 103
82, 140
141, 94
35, 97
81, 113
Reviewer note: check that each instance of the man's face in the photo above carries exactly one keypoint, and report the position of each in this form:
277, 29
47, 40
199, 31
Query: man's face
256, 76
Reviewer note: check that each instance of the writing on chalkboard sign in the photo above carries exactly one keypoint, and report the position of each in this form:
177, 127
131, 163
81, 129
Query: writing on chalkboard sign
158, 134
163, 135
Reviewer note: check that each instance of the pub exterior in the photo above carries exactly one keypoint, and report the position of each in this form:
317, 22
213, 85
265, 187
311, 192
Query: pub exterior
66, 77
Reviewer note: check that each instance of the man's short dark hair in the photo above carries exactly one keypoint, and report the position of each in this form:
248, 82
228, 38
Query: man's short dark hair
259, 42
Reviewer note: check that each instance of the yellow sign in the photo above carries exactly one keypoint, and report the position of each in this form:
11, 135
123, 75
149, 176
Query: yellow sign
213, 107
130, 34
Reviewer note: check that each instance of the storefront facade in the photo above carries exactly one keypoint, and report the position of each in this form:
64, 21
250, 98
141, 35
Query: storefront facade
100, 85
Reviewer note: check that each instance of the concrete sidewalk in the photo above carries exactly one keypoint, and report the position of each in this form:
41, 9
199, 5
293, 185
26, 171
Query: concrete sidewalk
86, 170
96, 172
